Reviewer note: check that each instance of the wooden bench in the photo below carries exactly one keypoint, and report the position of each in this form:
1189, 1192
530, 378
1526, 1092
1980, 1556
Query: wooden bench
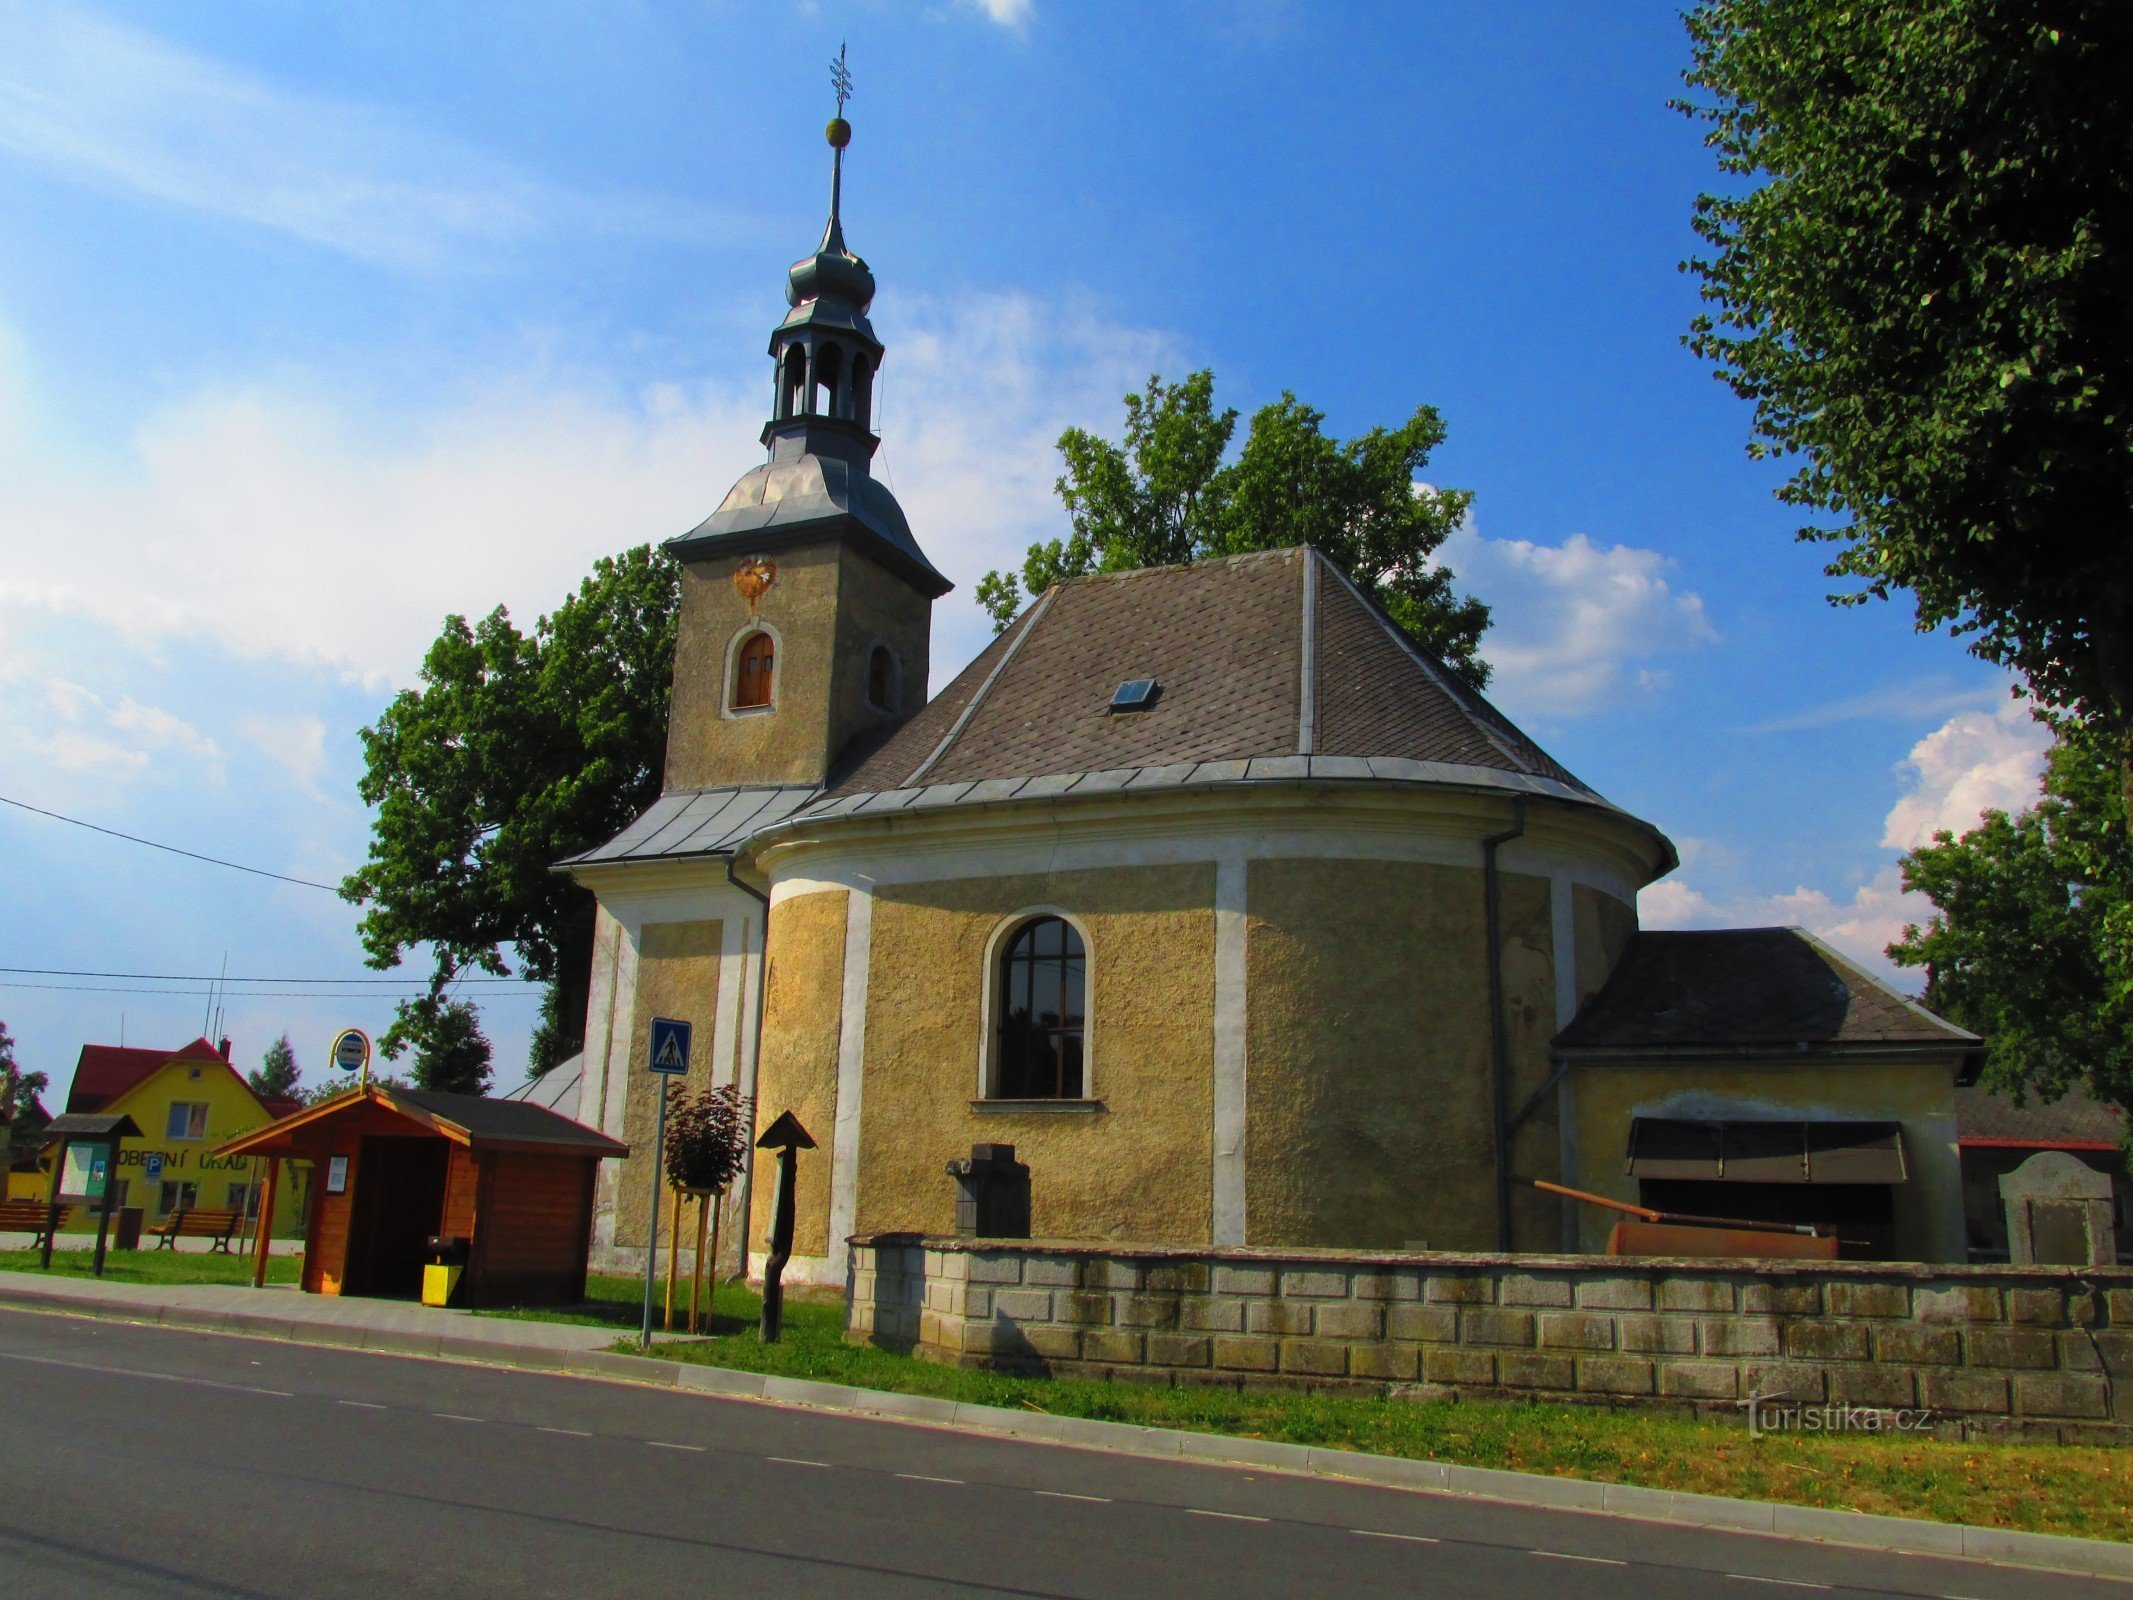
190, 1222
33, 1217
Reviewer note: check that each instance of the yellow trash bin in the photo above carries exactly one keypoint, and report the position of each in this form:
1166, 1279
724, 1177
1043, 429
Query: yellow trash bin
438, 1282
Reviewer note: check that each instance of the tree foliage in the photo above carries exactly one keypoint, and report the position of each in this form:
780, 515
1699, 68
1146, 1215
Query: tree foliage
516, 751
276, 1074
2033, 922
1919, 281
707, 1139
451, 1052
1165, 496
19, 1090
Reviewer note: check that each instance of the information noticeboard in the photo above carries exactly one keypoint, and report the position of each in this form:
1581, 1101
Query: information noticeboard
88, 1169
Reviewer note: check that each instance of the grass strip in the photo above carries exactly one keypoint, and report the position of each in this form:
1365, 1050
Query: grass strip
152, 1266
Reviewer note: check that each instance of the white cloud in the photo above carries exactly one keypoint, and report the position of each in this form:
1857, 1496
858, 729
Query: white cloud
1575, 625
119, 106
1007, 13
276, 523
1970, 764
1973, 761
50, 724
295, 744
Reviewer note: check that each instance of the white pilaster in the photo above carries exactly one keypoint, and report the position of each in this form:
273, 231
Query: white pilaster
851, 1076
1230, 968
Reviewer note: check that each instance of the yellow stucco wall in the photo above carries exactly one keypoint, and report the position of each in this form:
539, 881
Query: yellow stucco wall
827, 606
803, 1007
1140, 1167
1368, 1122
677, 976
1919, 1094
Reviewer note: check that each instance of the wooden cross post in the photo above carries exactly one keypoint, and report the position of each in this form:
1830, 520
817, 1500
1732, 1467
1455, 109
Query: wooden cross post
788, 1138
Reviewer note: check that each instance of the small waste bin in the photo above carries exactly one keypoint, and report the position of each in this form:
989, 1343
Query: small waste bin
126, 1228
447, 1264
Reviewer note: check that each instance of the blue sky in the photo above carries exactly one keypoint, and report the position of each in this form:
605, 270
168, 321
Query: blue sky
318, 324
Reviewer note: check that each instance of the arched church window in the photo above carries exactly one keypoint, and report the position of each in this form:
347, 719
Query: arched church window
793, 385
881, 678
1043, 994
753, 672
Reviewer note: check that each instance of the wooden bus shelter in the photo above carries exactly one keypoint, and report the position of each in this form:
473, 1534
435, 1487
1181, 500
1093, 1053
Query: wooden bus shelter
394, 1168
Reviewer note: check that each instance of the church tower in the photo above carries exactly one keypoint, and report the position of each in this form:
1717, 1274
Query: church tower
806, 605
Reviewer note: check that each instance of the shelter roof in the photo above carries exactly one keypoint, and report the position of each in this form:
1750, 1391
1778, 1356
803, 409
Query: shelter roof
473, 1120
2074, 1121
1749, 988
91, 1125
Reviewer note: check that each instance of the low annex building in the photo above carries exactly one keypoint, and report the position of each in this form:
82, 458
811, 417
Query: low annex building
1242, 919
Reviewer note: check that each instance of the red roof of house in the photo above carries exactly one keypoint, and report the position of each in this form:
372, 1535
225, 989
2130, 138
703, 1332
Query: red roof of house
106, 1071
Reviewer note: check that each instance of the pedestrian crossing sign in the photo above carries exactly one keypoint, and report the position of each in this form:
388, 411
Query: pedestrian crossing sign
670, 1047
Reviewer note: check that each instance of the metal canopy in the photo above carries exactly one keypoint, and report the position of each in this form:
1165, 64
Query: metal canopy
1763, 1151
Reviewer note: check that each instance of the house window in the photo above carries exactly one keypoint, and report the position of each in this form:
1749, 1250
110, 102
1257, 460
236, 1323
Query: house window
881, 678
175, 1196
239, 1198
1043, 984
188, 1120
753, 671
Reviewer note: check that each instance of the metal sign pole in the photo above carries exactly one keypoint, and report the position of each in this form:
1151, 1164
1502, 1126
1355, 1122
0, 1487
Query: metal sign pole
651, 1232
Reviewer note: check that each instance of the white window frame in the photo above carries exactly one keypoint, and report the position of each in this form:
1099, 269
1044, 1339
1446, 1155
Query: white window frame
988, 1011
170, 1119
731, 678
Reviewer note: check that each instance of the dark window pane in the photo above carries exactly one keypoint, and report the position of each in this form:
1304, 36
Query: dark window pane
1042, 990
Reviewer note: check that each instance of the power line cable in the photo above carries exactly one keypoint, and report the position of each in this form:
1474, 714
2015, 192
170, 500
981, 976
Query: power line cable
240, 994
213, 861
204, 977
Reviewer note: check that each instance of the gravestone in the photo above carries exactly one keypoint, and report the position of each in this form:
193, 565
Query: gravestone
2059, 1213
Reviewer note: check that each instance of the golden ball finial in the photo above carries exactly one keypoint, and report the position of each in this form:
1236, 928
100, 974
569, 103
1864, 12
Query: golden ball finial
839, 133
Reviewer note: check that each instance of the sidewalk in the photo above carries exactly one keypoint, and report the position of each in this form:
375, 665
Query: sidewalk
281, 1311
397, 1328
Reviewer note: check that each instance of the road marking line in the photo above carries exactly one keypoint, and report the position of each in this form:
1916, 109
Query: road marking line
454, 1416
1790, 1583
360, 1405
131, 1372
1410, 1538
920, 1477
795, 1461
1564, 1555
1226, 1516
574, 1433
1061, 1494
661, 1444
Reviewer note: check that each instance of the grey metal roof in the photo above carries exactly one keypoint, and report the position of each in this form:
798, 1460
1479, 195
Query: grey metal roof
698, 822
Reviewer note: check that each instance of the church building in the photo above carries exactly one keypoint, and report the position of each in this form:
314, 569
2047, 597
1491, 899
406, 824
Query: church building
1242, 919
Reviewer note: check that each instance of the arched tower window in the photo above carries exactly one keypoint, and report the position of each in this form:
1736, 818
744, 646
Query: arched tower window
792, 384
754, 672
1043, 982
829, 371
862, 391
881, 678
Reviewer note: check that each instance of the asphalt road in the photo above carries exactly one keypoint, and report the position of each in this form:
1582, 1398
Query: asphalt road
148, 1462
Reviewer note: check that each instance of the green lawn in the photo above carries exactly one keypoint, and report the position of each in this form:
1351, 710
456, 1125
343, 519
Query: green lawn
153, 1266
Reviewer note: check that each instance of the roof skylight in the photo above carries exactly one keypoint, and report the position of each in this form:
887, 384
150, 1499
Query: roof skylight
1135, 694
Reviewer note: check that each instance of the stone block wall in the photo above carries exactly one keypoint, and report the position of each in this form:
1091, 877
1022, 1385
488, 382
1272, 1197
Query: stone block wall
2031, 1351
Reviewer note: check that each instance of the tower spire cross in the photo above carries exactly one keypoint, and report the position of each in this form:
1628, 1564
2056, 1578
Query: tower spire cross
841, 80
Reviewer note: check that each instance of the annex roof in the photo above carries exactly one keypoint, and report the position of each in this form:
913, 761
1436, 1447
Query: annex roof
1732, 989
2074, 1121
698, 822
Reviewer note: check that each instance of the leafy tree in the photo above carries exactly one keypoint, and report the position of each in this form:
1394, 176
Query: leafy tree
517, 750
19, 1090
276, 1074
1919, 281
2033, 921
1165, 496
451, 1052
708, 1139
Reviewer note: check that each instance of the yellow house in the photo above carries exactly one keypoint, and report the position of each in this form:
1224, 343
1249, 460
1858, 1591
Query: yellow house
186, 1102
